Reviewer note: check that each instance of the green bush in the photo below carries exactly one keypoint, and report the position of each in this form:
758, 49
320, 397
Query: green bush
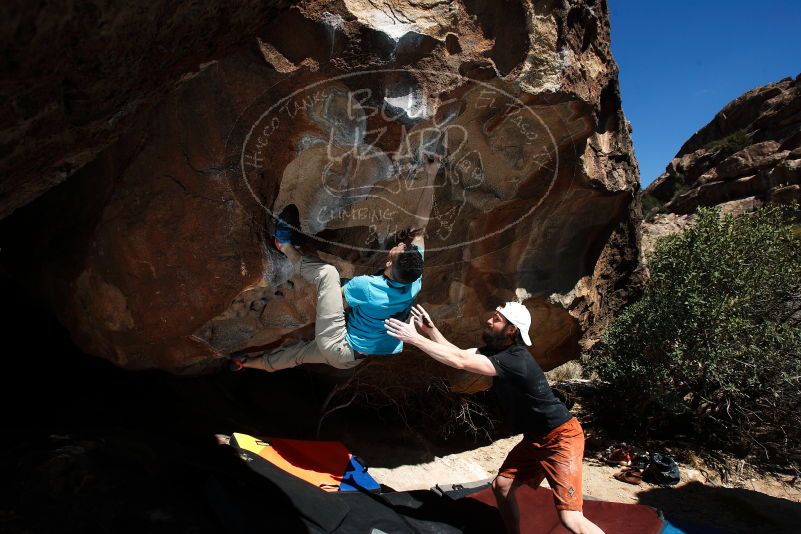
716, 336
651, 206
734, 142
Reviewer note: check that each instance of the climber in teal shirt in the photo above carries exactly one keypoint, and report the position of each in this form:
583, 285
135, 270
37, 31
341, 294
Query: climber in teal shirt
374, 298
349, 319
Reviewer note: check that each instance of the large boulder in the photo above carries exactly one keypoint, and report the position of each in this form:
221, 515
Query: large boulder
76, 75
154, 250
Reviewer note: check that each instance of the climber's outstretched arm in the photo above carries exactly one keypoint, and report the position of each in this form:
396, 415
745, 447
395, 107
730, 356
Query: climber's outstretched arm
431, 164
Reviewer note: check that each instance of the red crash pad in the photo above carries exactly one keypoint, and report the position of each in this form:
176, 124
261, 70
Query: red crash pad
538, 514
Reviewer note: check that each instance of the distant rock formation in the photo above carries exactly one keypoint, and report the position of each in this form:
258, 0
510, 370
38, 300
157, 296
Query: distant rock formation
176, 135
748, 154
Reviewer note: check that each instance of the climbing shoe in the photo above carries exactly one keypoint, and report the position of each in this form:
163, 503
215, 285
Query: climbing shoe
237, 361
287, 225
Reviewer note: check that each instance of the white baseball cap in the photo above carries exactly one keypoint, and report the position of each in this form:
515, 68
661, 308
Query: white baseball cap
518, 315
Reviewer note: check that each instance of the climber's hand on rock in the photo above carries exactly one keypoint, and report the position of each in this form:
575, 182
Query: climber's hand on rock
414, 232
431, 163
408, 235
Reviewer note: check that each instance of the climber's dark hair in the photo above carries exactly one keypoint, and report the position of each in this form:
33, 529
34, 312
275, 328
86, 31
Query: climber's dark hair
408, 266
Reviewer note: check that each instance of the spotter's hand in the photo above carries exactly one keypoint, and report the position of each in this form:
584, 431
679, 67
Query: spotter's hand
406, 332
422, 319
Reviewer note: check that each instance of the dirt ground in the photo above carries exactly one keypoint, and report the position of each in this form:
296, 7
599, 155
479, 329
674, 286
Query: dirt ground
755, 503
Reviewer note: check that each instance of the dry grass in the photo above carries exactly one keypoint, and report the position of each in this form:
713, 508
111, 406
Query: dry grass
568, 371
415, 390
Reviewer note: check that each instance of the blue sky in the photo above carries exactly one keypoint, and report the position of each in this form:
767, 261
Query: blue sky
681, 62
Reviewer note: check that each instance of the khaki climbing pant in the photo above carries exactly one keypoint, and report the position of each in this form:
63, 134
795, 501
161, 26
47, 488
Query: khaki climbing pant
329, 345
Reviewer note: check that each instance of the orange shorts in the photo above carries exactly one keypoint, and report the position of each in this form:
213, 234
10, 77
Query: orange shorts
557, 456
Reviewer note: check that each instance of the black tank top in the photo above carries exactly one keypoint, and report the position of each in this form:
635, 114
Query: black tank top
524, 393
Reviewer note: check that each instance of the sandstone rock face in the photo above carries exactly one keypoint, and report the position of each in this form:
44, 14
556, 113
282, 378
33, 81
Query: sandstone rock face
75, 76
155, 252
662, 225
748, 154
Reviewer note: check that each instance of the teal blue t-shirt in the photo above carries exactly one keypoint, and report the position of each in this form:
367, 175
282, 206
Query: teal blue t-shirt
372, 300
